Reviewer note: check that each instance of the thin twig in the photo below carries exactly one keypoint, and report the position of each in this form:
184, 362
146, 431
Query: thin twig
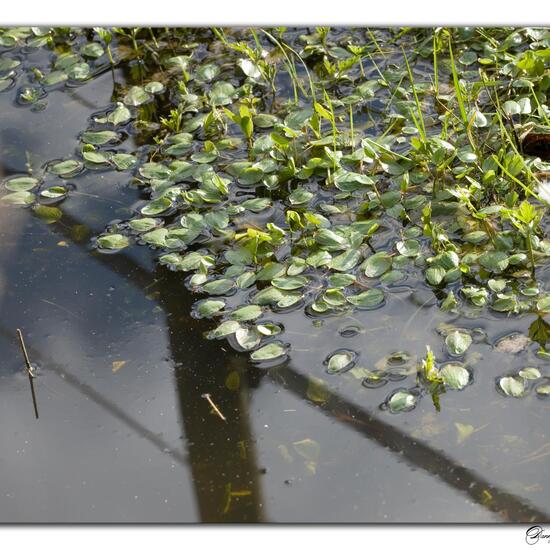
213, 405
30, 372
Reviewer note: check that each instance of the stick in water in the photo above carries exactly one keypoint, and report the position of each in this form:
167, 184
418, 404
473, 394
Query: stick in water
29, 371
213, 405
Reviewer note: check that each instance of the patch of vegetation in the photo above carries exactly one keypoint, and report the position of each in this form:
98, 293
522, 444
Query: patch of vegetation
318, 171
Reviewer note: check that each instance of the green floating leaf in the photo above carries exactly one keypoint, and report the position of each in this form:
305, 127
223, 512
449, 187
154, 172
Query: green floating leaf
340, 361
19, 198
143, 224
435, 274
377, 264
512, 386
530, 373
225, 329
21, 183
544, 390
289, 283
95, 157
409, 248
136, 96
458, 342
455, 376
248, 338
66, 167
55, 192
368, 299
99, 138
401, 401
207, 308
218, 287
113, 241
270, 351
157, 206
120, 115
495, 262
247, 313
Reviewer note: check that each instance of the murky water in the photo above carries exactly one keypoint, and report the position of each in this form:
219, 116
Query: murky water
125, 433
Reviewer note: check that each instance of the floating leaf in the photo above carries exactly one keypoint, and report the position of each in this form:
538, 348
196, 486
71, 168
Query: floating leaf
207, 308
409, 248
56, 192
66, 167
136, 96
157, 206
120, 115
19, 198
435, 275
225, 329
270, 351
340, 361
21, 183
247, 313
113, 241
458, 342
289, 283
368, 299
218, 287
377, 264
402, 401
512, 386
99, 138
544, 390
495, 262
530, 373
455, 376
247, 338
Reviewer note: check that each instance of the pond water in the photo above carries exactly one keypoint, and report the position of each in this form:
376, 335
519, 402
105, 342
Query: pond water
125, 432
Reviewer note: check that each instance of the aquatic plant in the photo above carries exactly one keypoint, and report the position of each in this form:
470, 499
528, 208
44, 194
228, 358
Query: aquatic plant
319, 171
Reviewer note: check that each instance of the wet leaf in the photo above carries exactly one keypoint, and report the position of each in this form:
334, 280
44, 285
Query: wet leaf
247, 313
143, 224
530, 373
455, 377
99, 138
54, 192
225, 329
458, 342
377, 264
402, 401
270, 351
409, 248
512, 386
66, 167
21, 183
113, 241
368, 299
247, 338
156, 206
218, 287
340, 361
136, 96
19, 198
